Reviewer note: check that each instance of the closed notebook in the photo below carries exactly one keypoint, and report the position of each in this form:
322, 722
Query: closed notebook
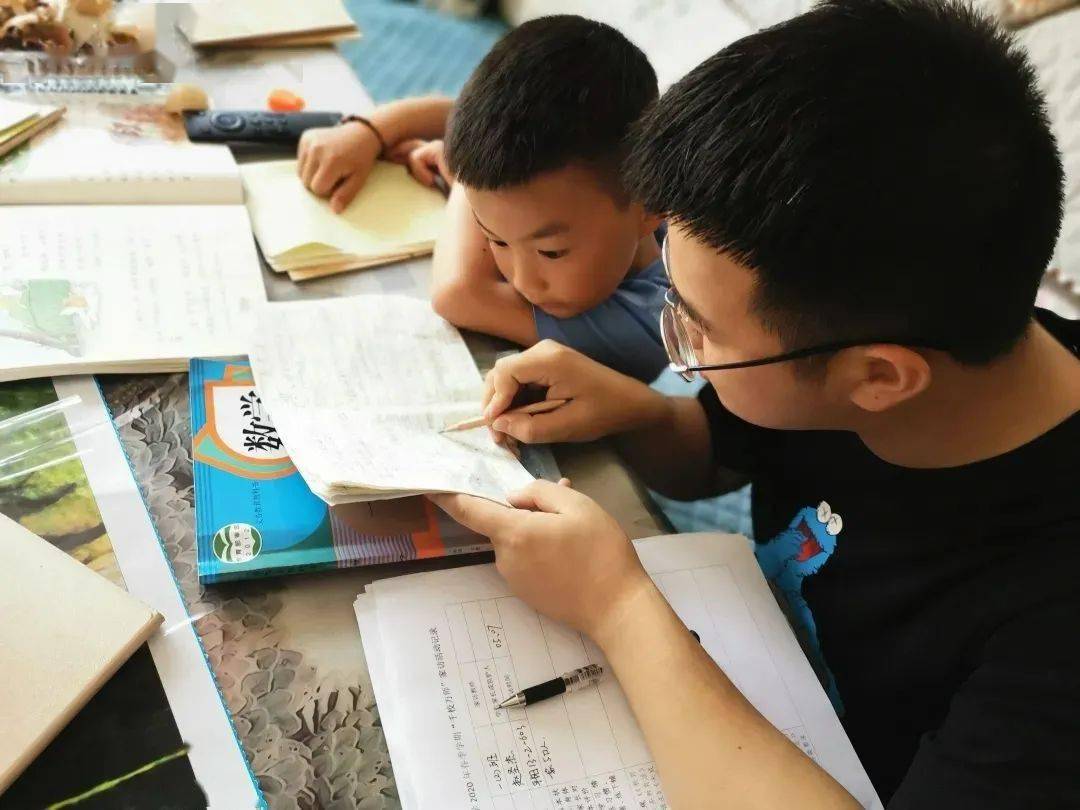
64, 631
392, 218
266, 23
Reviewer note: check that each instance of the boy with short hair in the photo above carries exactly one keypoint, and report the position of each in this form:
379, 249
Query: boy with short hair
854, 255
543, 240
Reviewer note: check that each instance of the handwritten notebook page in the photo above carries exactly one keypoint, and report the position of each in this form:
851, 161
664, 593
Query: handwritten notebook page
360, 388
65, 631
89, 289
444, 648
118, 150
392, 215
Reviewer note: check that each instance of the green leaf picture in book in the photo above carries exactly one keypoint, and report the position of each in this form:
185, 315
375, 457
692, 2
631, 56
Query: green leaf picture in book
255, 514
51, 312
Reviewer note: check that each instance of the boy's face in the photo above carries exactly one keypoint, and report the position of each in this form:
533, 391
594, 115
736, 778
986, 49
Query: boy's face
720, 293
560, 239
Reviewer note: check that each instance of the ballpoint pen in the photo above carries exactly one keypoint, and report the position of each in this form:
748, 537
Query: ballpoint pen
572, 681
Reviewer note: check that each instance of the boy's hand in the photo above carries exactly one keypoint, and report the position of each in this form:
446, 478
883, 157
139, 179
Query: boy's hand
423, 159
559, 551
602, 402
334, 162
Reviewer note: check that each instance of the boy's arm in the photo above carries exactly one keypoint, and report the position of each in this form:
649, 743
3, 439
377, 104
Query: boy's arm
424, 118
467, 288
335, 161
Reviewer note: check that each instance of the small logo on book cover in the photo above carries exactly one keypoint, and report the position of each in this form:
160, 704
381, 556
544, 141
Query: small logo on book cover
237, 543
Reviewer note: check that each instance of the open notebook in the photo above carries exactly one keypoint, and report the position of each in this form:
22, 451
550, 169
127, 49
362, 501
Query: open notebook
360, 409
445, 648
124, 247
392, 218
266, 23
64, 631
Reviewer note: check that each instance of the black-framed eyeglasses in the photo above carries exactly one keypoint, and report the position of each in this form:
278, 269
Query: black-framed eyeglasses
676, 326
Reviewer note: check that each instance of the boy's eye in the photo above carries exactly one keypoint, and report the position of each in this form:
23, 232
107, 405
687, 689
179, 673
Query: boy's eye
552, 254
496, 242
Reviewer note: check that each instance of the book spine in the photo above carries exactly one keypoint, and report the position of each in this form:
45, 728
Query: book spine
205, 563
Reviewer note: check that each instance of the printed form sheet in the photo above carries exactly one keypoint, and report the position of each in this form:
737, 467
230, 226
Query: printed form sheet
445, 648
360, 388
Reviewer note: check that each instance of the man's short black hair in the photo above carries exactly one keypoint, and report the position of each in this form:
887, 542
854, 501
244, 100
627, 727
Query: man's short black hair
554, 91
884, 167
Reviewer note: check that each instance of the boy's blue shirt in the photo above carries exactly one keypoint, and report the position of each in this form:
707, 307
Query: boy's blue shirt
622, 332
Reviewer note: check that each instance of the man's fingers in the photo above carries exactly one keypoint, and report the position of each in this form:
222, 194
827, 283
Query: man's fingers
482, 516
500, 388
344, 193
541, 428
544, 496
539, 365
489, 389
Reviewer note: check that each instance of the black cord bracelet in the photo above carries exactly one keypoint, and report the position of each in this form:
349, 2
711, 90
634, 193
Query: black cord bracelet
375, 130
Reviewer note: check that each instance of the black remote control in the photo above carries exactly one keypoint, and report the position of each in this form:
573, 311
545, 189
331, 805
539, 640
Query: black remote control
254, 126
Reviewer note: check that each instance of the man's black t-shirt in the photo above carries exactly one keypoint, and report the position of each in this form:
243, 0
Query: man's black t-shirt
942, 605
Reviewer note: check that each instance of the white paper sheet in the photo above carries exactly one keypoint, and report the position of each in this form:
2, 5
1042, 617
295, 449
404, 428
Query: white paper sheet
86, 288
360, 388
451, 644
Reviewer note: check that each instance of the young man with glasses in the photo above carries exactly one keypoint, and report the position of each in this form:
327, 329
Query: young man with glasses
854, 252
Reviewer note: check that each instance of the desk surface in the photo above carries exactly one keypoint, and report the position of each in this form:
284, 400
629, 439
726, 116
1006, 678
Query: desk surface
286, 652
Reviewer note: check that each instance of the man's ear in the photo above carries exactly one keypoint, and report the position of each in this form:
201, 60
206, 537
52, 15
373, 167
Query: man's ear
882, 376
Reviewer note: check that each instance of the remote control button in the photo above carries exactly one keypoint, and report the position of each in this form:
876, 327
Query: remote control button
230, 122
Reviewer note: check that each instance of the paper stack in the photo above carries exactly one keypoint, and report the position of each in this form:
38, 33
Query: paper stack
360, 388
19, 122
392, 218
445, 648
266, 23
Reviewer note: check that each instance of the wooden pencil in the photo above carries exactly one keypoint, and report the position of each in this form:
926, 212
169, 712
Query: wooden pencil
543, 406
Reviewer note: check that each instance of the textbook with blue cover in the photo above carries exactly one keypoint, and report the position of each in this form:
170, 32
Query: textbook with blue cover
254, 514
